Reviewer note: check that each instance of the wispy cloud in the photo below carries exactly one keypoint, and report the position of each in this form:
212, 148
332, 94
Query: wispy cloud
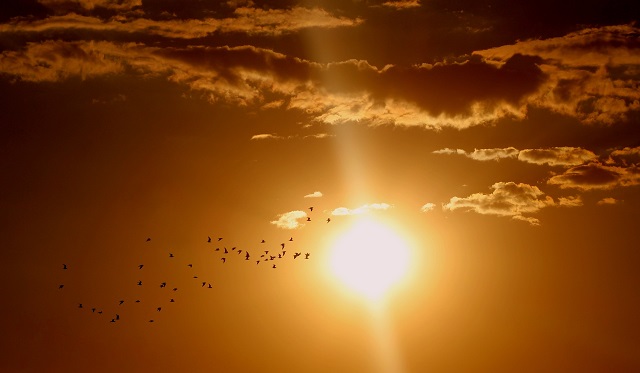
402, 4
510, 199
609, 201
289, 220
316, 194
428, 207
91, 4
557, 156
360, 210
596, 175
266, 136
246, 20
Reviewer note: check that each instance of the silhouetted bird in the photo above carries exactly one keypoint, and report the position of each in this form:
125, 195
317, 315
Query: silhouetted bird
137, 300
239, 251
171, 301
175, 289
80, 305
257, 262
208, 239
219, 238
272, 257
140, 266
151, 320
306, 256
171, 255
282, 244
163, 284
148, 239
328, 220
266, 251
210, 286
117, 317
159, 309
311, 208
226, 251
93, 310
139, 283
284, 252
291, 239
262, 241
224, 260
60, 286
308, 219
195, 276
233, 248
217, 249
203, 284
274, 266
279, 256
120, 304
246, 254
113, 320
295, 255
64, 266
190, 265
99, 312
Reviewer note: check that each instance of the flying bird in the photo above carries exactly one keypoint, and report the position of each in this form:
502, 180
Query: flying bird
190, 265
117, 317
171, 255
209, 286
306, 256
151, 320
60, 286
257, 262
208, 239
113, 320
219, 238
224, 260
159, 309
226, 251
282, 244
120, 304
163, 284
291, 239
80, 305
140, 283
140, 266
308, 219
274, 266
176, 289
295, 255
93, 309
137, 300
171, 301
311, 208
262, 241
148, 239
64, 266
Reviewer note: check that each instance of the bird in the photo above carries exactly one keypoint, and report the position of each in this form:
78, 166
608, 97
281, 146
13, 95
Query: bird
195, 276
284, 252
140, 266
311, 208
224, 260
100, 312
203, 284
282, 244
279, 256
295, 255
113, 320
190, 265
233, 248
120, 304
219, 238
246, 254
308, 218
239, 252
64, 266
262, 241
139, 283
93, 309
176, 289
148, 239
257, 262
117, 317
306, 256
328, 220
274, 266
60, 286
226, 251
80, 305
208, 239
209, 286
163, 284
266, 251
137, 300
171, 301
151, 320
159, 309
291, 239
217, 249
171, 255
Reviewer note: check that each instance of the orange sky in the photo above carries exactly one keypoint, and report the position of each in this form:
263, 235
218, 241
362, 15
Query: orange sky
500, 143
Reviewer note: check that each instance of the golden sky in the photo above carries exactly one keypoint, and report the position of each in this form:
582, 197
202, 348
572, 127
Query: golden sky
482, 155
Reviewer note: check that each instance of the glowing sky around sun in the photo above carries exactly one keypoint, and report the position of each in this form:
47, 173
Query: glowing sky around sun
440, 186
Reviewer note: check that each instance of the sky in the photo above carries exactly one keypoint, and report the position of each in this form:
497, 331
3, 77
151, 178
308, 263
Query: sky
485, 155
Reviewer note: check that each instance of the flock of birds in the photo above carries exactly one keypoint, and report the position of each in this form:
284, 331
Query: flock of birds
270, 256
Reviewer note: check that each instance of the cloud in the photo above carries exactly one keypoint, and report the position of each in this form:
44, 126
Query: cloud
571, 201
596, 175
360, 210
265, 136
251, 21
289, 220
592, 74
91, 4
559, 156
402, 4
609, 201
428, 207
506, 199
315, 194
626, 156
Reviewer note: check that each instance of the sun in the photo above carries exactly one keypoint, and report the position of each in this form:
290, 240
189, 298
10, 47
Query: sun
369, 258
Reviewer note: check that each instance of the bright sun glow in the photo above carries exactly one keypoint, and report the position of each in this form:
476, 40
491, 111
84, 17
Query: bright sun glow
370, 258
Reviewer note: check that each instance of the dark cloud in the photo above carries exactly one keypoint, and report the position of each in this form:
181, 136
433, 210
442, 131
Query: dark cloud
597, 176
